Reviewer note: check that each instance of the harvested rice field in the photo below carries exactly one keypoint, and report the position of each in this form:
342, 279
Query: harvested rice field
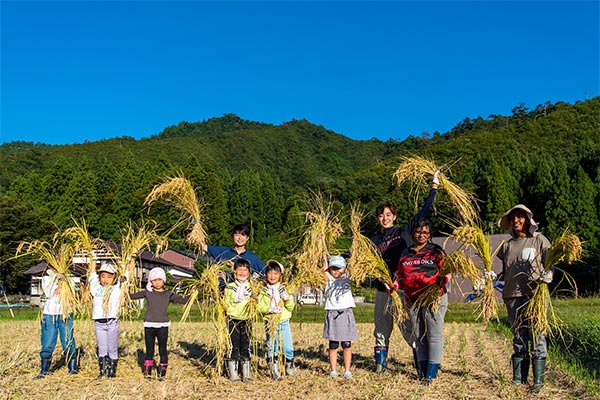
475, 366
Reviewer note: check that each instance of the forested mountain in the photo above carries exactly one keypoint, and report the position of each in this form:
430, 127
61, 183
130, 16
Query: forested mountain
246, 171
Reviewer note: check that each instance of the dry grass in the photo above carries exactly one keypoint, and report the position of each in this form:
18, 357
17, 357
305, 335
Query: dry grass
475, 366
178, 192
419, 171
59, 253
323, 228
540, 313
473, 236
366, 262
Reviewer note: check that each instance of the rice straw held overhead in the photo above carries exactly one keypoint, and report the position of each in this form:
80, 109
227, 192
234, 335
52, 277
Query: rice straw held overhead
419, 170
86, 246
473, 236
323, 228
204, 290
59, 255
178, 192
135, 239
366, 262
566, 248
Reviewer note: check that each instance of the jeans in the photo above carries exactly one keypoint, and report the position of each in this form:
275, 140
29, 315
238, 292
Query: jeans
283, 333
384, 320
51, 327
427, 328
523, 336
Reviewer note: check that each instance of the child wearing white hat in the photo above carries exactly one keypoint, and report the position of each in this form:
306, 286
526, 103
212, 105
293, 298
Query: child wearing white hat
340, 325
156, 320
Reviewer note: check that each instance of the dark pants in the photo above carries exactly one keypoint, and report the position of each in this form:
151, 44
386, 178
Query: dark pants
239, 332
150, 336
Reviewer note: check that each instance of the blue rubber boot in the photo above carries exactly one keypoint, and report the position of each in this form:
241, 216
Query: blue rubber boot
431, 374
380, 359
45, 367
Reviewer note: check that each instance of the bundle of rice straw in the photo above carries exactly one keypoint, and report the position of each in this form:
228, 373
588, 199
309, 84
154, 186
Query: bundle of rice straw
205, 290
566, 248
366, 262
178, 192
454, 263
86, 246
419, 170
323, 229
473, 236
59, 255
135, 239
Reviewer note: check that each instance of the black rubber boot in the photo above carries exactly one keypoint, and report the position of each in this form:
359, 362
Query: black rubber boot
111, 367
102, 366
517, 365
539, 372
45, 367
161, 370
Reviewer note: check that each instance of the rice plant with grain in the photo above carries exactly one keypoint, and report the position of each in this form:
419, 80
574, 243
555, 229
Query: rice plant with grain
135, 239
366, 263
58, 254
419, 170
565, 248
322, 228
473, 236
178, 192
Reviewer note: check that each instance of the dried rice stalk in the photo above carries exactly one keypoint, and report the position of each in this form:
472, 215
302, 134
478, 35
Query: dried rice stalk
86, 245
134, 241
205, 290
540, 312
178, 192
323, 229
419, 170
366, 262
454, 263
59, 254
473, 236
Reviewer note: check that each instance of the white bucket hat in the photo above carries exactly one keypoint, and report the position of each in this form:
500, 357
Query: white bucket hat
281, 268
108, 268
505, 223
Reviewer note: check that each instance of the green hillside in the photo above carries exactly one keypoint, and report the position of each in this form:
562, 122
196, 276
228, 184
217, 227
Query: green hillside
246, 171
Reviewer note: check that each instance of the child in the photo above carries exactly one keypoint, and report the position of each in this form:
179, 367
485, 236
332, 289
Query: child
269, 299
53, 324
236, 297
105, 312
340, 326
156, 320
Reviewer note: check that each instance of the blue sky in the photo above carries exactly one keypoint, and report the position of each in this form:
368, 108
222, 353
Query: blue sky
85, 71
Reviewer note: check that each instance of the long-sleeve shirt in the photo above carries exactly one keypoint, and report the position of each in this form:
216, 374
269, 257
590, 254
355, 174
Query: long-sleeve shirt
156, 306
392, 241
224, 253
51, 292
264, 304
236, 309
338, 293
520, 257
99, 311
417, 270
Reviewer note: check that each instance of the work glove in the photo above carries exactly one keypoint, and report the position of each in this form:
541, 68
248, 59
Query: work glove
122, 279
542, 276
491, 274
436, 180
284, 295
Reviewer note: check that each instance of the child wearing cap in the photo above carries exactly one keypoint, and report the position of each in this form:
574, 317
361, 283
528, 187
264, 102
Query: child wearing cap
106, 293
236, 298
275, 302
156, 320
340, 326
